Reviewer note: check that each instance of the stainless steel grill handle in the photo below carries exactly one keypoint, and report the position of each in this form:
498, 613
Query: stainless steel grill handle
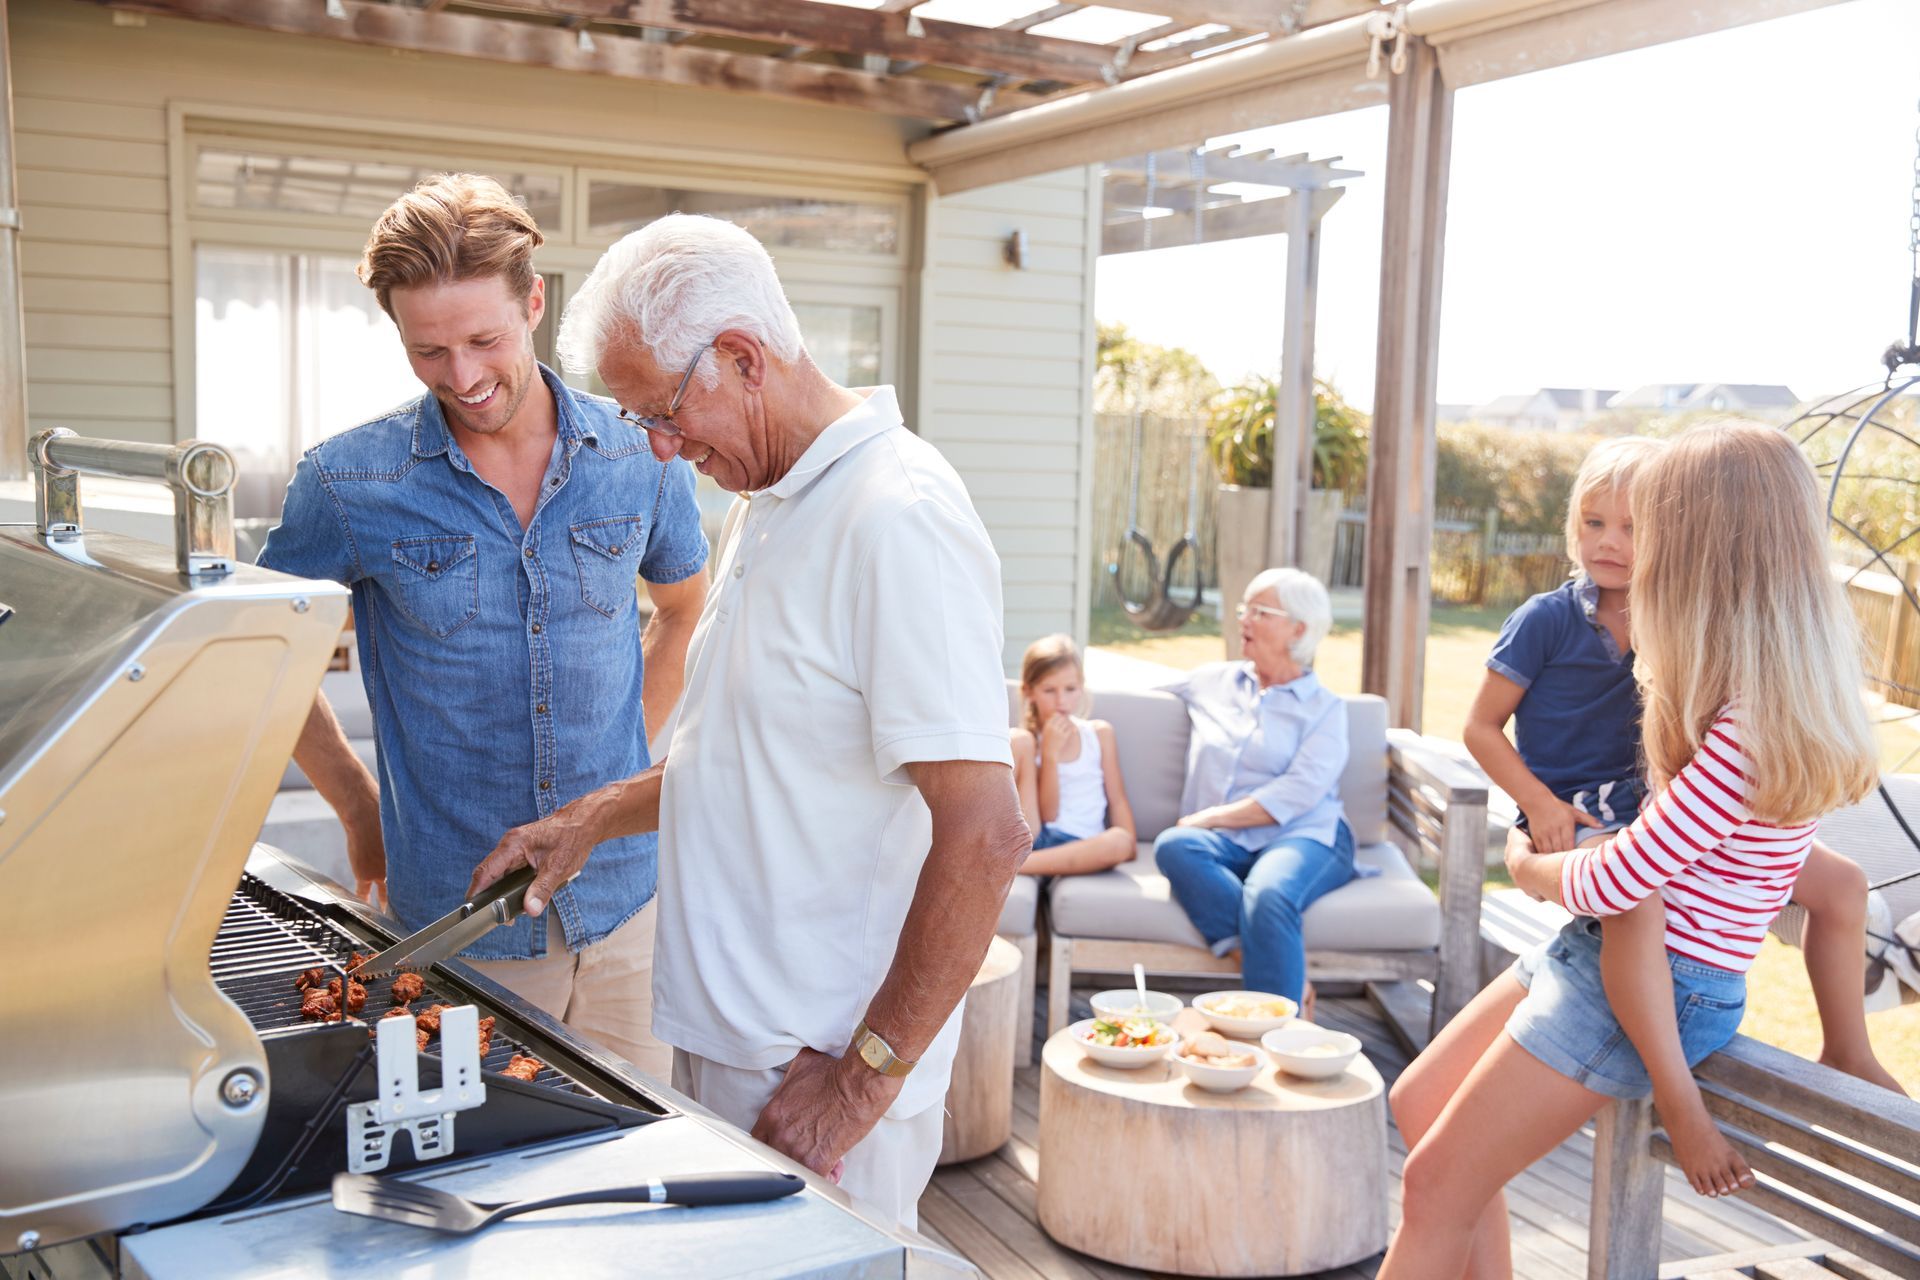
200, 473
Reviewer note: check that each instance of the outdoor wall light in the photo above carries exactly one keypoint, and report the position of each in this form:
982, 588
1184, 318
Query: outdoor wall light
1015, 250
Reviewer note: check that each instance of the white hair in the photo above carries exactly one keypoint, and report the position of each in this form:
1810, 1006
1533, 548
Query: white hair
677, 284
1305, 599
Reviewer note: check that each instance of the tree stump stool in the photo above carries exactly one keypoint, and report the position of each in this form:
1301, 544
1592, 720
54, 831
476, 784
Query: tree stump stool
979, 1116
1145, 1169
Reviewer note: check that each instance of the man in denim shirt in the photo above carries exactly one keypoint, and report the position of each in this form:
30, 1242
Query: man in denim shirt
492, 531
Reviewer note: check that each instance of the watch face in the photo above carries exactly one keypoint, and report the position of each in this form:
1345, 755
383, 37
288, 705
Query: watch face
872, 1053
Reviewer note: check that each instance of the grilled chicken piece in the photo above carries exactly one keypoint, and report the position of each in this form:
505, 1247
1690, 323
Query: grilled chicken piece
356, 997
408, 987
357, 959
431, 1018
310, 979
398, 1011
523, 1068
421, 1037
319, 1006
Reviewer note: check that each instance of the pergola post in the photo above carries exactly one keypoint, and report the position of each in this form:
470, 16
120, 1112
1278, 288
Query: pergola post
1293, 408
13, 349
1401, 463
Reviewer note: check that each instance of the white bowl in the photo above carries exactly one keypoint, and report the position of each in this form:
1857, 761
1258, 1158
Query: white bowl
1243, 1028
1122, 1001
1131, 1056
1287, 1045
1216, 1079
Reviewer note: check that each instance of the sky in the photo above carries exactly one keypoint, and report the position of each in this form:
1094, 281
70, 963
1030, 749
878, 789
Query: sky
1731, 208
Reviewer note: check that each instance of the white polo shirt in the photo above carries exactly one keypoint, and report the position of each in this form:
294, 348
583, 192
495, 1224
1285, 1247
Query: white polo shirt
854, 627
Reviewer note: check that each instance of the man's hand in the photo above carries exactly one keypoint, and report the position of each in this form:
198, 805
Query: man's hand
1055, 734
558, 845
367, 855
1554, 825
823, 1107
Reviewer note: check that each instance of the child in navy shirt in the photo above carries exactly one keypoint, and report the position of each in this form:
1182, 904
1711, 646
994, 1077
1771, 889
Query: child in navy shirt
1562, 671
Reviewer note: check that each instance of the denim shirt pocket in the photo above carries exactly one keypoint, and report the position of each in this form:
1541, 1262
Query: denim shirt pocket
436, 581
606, 552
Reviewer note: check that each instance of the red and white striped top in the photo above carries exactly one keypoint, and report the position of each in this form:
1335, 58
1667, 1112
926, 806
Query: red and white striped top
1722, 874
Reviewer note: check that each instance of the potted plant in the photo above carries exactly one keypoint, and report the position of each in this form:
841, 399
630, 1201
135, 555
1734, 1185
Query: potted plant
1241, 445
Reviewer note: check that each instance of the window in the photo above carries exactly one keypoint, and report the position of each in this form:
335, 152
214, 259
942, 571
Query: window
356, 189
291, 348
843, 340
780, 222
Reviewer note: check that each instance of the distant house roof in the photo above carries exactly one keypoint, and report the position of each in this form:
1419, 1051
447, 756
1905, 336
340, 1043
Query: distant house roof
1706, 395
1577, 397
1507, 406
1752, 395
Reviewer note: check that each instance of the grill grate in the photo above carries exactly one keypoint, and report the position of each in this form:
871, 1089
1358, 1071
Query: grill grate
268, 938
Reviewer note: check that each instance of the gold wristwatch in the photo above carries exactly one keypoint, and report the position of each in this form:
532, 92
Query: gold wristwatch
877, 1053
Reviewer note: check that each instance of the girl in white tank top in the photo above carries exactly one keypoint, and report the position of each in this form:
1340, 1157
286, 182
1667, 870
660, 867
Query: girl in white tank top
1067, 769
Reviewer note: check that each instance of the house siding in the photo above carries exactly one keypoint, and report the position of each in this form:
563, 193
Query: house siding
1007, 384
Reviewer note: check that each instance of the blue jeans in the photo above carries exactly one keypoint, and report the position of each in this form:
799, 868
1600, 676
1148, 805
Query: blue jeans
1254, 895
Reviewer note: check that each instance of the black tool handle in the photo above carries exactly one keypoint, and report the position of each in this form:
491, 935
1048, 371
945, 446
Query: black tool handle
512, 886
693, 1192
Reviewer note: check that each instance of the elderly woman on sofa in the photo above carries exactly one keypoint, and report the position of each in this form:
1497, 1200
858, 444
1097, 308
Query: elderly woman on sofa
1264, 835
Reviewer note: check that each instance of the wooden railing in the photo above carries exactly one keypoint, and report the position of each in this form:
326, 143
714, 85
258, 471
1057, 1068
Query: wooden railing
1439, 806
1832, 1155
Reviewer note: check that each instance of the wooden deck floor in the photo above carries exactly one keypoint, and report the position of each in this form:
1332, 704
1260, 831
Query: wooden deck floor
985, 1209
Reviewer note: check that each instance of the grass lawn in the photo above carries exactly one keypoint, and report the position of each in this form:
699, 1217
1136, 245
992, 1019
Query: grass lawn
1779, 1003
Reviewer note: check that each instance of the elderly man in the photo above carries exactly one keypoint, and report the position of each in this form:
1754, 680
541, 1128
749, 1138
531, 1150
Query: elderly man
492, 530
838, 821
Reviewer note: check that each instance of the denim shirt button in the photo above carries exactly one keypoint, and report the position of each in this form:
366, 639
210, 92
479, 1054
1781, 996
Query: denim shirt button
528, 553
536, 628
540, 709
546, 784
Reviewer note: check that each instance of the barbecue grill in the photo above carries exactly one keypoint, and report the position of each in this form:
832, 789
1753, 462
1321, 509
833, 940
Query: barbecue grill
165, 1108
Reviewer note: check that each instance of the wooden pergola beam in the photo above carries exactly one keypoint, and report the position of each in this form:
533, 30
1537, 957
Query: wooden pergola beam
504, 40
1216, 223
845, 30
1247, 15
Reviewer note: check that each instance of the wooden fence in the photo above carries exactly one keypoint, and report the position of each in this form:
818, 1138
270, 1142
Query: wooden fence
1885, 604
1165, 454
1475, 562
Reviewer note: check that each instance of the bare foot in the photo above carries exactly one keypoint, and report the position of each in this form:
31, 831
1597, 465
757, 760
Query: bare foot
1711, 1165
1867, 1068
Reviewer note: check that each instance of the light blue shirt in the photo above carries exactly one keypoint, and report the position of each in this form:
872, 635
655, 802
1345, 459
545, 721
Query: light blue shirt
1285, 746
502, 663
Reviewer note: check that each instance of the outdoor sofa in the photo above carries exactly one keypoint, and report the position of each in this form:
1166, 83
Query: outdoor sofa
1401, 796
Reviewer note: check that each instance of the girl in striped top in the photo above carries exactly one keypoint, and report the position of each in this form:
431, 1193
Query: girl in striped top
1562, 675
1752, 728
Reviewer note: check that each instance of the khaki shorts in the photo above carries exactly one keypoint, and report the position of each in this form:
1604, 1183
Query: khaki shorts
605, 991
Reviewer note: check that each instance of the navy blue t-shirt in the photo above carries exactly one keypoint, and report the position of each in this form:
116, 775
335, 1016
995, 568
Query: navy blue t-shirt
1579, 725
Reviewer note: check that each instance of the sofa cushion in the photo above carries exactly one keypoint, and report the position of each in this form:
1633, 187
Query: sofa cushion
1393, 911
1022, 908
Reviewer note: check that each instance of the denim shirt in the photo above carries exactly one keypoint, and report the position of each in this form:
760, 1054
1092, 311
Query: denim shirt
502, 665
1578, 722
1284, 745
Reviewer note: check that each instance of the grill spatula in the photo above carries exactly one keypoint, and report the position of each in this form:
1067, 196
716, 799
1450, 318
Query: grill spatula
417, 1205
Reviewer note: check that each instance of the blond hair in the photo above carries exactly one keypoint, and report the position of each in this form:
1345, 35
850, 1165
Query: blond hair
1608, 468
451, 227
1733, 603
1043, 657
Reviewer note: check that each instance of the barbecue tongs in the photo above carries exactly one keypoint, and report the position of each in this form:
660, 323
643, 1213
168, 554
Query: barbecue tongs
501, 902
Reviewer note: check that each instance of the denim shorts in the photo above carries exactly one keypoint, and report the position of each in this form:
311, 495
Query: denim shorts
1616, 804
1565, 1021
1049, 835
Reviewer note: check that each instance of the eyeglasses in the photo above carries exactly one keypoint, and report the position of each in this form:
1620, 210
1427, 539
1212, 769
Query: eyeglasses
1241, 610
662, 424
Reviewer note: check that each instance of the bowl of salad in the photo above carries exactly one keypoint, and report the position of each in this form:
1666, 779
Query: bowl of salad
1314, 1052
1124, 1042
1245, 1014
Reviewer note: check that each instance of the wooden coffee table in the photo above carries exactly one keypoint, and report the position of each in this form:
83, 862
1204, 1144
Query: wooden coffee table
979, 1108
1146, 1169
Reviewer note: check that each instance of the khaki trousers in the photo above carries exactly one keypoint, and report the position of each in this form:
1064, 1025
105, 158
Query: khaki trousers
605, 991
886, 1171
